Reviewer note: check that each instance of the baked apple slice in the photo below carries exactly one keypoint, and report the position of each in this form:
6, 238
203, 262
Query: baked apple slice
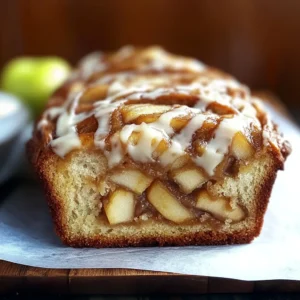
120, 207
220, 208
189, 179
94, 93
180, 122
240, 147
134, 111
166, 203
132, 179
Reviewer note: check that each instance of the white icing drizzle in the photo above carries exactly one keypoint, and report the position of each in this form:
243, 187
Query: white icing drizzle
152, 134
153, 58
104, 108
130, 85
67, 137
142, 151
161, 59
216, 91
185, 136
51, 114
164, 121
64, 144
148, 141
90, 64
115, 88
209, 160
115, 156
124, 52
42, 123
219, 144
269, 134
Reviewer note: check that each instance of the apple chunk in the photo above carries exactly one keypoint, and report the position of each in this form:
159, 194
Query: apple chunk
133, 111
160, 149
189, 179
179, 123
219, 208
180, 162
132, 179
94, 93
240, 147
147, 118
166, 204
120, 207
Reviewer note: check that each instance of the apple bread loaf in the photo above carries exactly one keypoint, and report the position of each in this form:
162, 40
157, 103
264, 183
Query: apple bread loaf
141, 147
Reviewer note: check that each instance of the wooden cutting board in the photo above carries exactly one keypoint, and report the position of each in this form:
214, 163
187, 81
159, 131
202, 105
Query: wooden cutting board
18, 278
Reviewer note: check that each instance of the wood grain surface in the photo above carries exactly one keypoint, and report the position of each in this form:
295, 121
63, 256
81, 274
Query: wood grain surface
257, 41
19, 278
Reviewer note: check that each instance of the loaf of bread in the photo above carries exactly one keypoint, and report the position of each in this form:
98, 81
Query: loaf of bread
142, 147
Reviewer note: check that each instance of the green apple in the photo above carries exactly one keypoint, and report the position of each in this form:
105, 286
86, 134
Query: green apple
34, 79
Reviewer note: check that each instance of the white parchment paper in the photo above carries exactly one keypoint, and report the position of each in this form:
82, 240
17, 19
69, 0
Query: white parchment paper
27, 237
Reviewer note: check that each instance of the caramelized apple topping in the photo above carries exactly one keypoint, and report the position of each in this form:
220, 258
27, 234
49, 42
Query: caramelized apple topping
94, 93
180, 122
145, 112
88, 125
241, 148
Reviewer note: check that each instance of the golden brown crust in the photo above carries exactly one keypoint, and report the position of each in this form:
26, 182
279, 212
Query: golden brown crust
37, 158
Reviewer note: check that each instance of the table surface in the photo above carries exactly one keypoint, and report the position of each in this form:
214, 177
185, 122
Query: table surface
20, 278
14, 277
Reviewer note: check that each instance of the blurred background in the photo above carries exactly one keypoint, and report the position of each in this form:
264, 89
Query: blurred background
255, 40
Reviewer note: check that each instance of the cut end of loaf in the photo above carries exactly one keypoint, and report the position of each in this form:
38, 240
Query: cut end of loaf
78, 202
